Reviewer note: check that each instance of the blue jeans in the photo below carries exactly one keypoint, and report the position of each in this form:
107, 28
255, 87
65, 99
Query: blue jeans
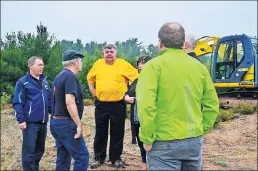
63, 131
183, 154
33, 145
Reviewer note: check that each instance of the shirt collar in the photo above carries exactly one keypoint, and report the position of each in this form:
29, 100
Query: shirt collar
167, 50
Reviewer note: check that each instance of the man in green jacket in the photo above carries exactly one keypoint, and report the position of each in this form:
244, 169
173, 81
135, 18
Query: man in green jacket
177, 104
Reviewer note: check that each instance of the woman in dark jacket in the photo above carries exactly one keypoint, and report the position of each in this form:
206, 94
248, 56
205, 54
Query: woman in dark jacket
130, 98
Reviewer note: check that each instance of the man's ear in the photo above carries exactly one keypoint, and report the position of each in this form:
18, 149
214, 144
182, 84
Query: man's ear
75, 61
160, 45
186, 45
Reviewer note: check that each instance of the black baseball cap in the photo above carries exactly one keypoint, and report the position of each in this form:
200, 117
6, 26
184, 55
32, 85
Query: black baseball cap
72, 54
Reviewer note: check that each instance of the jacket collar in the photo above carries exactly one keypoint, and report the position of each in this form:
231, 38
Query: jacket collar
29, 76
41, 77
171, 50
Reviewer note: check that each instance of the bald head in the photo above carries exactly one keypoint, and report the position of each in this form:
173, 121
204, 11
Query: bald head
172, 35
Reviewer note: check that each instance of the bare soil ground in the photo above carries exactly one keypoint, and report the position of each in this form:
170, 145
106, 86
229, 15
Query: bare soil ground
231, 146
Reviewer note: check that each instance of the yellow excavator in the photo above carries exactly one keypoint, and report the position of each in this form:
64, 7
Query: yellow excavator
233, 63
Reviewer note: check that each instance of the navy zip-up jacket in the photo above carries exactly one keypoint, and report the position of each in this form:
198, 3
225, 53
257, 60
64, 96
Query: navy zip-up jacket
32, 102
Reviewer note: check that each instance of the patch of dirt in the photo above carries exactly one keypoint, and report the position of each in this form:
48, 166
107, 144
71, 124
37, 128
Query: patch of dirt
232, 146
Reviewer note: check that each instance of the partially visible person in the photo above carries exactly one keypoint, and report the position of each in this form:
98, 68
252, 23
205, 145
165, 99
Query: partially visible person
177, 104
66, 125
32, 103
189, 46
108, 81
135, 124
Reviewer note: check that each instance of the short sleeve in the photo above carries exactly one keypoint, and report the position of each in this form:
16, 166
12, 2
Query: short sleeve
71, 85
130, 72
91, 77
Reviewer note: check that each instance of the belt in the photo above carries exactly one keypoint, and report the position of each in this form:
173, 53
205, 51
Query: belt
60, 117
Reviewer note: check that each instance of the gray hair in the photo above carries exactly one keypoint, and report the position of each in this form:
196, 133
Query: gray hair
32, 60
190, 38
172, 35
70, 62
109, 46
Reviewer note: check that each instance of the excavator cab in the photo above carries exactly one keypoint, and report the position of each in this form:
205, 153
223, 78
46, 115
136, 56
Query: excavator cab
234, 65
204, 48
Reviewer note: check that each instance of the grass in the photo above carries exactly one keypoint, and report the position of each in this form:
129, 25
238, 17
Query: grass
245, 109
88, 102
226, 115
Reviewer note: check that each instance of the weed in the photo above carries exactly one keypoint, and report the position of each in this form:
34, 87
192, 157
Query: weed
225, 115
223, 164
88, 102
245, 109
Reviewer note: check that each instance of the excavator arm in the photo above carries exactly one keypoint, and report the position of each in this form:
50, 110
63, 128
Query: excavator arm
205, 45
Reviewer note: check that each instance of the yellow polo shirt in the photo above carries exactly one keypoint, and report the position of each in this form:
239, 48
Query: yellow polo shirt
111, 80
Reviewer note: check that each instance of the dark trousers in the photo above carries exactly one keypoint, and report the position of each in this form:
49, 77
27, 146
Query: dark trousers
33, 145
143, 152
115, 113
67, 147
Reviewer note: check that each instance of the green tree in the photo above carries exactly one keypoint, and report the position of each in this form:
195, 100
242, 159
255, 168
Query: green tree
54, 65
87, 65
16, 50
18, 47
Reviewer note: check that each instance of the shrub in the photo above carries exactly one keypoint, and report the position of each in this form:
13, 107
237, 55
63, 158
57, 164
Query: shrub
256, 108
225, 115
88, 102
217, 122
5, 98
244, 109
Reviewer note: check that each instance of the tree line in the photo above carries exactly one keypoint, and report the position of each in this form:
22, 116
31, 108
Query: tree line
18, 47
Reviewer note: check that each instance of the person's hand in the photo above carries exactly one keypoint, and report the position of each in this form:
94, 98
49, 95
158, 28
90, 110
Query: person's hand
79, 132
129, 99
147, 147
22, 126
144, 166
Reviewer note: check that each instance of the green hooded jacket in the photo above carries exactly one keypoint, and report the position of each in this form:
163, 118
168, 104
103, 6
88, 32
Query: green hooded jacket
176, 98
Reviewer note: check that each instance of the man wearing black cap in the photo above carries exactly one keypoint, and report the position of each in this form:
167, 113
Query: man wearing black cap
65, 125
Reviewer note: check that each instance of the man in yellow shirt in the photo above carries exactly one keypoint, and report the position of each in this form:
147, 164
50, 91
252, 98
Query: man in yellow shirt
108, 82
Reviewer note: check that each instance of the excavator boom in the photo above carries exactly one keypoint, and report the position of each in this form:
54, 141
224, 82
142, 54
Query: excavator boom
205, 45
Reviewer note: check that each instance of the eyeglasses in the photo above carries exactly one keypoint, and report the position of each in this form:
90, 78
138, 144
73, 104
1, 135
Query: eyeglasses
109, 52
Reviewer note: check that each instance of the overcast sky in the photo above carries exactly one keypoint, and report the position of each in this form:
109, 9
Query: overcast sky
119, 21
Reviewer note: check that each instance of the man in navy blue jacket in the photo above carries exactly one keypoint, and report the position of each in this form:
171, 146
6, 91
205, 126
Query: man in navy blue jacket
32, 104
